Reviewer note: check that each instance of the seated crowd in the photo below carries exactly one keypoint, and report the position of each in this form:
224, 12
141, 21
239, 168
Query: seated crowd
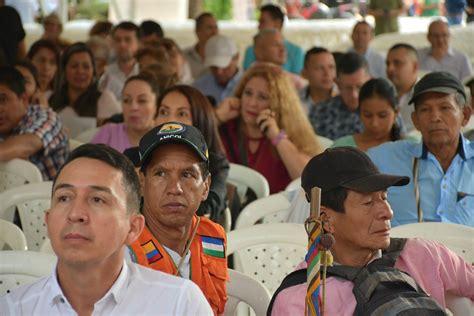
182, 116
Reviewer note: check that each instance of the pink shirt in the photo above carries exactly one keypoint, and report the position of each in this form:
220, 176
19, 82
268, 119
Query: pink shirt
114, 135
435, 268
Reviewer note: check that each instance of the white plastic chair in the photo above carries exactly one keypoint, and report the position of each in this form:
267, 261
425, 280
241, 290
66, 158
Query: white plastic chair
47, 248
87, 135
324, 142
294, 185
244, 177
73, 144
459, 306
18, 172
271, 209
31, 200
23, 267
458, 238
268, 252
14, 173
244, 288
11, 237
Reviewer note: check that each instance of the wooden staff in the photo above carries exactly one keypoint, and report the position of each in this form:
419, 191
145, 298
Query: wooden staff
313, 257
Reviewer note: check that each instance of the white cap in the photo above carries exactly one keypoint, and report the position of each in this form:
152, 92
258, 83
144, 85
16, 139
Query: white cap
219, 51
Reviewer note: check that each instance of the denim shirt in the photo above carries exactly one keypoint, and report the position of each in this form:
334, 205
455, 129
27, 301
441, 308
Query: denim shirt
444, 197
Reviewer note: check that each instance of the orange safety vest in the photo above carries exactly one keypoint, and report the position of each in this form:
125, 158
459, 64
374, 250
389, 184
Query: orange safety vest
208, 260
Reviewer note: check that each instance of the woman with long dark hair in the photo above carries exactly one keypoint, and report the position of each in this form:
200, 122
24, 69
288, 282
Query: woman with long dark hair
45, 56
378, 109
76, 94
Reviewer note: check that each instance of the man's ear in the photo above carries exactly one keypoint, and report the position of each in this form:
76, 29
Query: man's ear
414, 118
137, 223
304, 73
207, 184
141, 177
327, 219
466, 112
46, 219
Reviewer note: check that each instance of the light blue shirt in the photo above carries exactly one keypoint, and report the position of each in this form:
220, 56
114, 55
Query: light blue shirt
376, 61
444, 197
455, 62
294, 61
209, 86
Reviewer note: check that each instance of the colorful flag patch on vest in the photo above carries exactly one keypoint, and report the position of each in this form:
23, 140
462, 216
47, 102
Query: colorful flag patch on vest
151, 252
213, 246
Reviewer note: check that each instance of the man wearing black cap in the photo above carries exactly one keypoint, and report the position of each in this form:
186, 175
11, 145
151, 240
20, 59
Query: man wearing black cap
441, 166
175, 180
354, 209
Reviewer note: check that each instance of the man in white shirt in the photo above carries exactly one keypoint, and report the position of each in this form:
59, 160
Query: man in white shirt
125, 43
206, 27
94, 214
362, 35
402, 70
440, 56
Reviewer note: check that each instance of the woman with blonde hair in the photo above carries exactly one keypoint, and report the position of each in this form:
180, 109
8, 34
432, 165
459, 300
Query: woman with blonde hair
264, 127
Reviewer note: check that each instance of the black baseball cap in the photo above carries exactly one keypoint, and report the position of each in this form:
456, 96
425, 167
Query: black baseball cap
438, 81
349, 168
172, 133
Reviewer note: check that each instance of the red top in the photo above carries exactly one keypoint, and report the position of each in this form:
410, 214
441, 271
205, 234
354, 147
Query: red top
265, 159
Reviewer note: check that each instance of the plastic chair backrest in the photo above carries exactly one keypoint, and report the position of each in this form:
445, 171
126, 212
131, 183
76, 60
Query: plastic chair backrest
46, 247
87, 135
270, 209
244, 288
73, 144
459, 305
23, 267
11, 237
249, 178
18, 172
458, 238
268, 252
324, 142
31, 200
294, 185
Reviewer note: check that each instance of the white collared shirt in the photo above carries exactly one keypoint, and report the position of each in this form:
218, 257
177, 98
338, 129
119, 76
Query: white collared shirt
137, 291
114, 79
185, 269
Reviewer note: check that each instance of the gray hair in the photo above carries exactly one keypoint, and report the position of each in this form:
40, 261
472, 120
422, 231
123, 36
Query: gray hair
461, 101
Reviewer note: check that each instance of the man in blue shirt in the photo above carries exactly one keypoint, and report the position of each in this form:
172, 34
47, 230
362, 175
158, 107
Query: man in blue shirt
271, 16
338, 116
441, 167
222, 57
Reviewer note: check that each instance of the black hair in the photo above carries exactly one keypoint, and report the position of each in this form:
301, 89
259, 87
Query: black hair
12, 79
25, 63
150, 27
149, 79
199, 20
275, 12
128, 26
383, 89
363, 22
116, 160
351, 62
35, 48
406, 46
101, 27
86, 104
314, 51
334, 199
